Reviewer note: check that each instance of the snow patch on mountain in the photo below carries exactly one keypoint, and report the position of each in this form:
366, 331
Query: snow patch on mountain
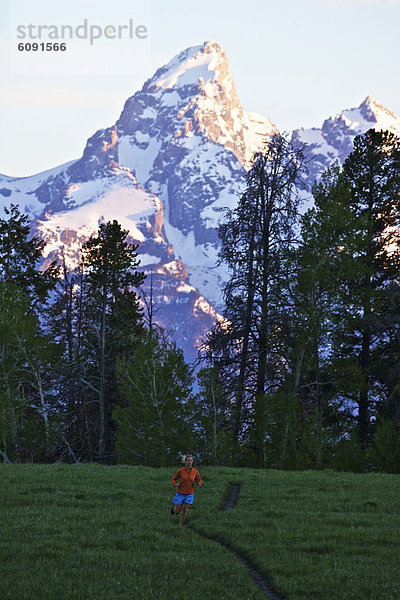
183, 71
119, 197
257, 130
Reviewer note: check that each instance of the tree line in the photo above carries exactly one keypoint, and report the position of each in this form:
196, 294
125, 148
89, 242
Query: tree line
85, 375
301, 371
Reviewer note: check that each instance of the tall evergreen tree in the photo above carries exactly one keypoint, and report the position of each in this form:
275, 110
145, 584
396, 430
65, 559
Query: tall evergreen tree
309, 387
247, 345
372, 172
112, 316
359, 207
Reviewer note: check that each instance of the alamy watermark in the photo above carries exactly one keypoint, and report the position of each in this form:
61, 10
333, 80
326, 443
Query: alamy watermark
84, 31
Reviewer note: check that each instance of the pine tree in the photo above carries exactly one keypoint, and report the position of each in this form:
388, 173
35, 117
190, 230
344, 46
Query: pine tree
112, 316
247, 345
373, 174
310, 388
356, 221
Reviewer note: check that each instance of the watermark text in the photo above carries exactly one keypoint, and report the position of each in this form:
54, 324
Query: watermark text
84, 31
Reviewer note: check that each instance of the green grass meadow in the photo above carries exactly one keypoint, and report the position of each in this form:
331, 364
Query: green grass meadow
91, 532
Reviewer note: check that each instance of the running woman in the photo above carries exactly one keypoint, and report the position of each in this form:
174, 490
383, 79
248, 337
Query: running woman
184, 496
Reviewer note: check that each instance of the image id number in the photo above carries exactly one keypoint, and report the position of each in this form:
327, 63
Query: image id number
42, 47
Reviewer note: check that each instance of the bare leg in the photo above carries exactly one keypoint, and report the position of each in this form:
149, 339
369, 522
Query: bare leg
178, 508
185, 510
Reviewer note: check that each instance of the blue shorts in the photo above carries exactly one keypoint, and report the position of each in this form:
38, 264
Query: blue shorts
183, 498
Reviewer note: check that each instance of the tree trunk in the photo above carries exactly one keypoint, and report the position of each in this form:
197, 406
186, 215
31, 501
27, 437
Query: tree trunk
363, 401
102, 375
259, 404
245, 347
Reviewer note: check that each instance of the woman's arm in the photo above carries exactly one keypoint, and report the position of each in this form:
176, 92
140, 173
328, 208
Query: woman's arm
175, 478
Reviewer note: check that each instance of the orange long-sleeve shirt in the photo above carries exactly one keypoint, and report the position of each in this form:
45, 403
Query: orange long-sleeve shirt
186, 480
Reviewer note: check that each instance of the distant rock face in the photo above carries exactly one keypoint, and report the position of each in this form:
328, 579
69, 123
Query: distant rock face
166, 170
334, 141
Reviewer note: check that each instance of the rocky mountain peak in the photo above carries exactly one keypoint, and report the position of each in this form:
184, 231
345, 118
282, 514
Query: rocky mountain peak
334, 140
379, 116
193, 94
370, 109
194, 65
186, 138
355, 121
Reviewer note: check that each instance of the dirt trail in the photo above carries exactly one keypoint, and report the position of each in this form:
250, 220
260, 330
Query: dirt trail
232, 498
257, 577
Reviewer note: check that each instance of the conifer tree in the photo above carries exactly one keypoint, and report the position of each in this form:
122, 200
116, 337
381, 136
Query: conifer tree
358, 207
112, 316
372, 172
310, 386
20, 258
247, 345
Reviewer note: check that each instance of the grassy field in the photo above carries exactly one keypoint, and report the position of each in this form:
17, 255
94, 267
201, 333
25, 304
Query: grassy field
89, 532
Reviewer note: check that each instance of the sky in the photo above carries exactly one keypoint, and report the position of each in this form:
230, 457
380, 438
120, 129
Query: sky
297, 62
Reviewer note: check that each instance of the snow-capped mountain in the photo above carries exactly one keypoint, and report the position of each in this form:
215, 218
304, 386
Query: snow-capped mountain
176, 157
334, 140
187, 139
